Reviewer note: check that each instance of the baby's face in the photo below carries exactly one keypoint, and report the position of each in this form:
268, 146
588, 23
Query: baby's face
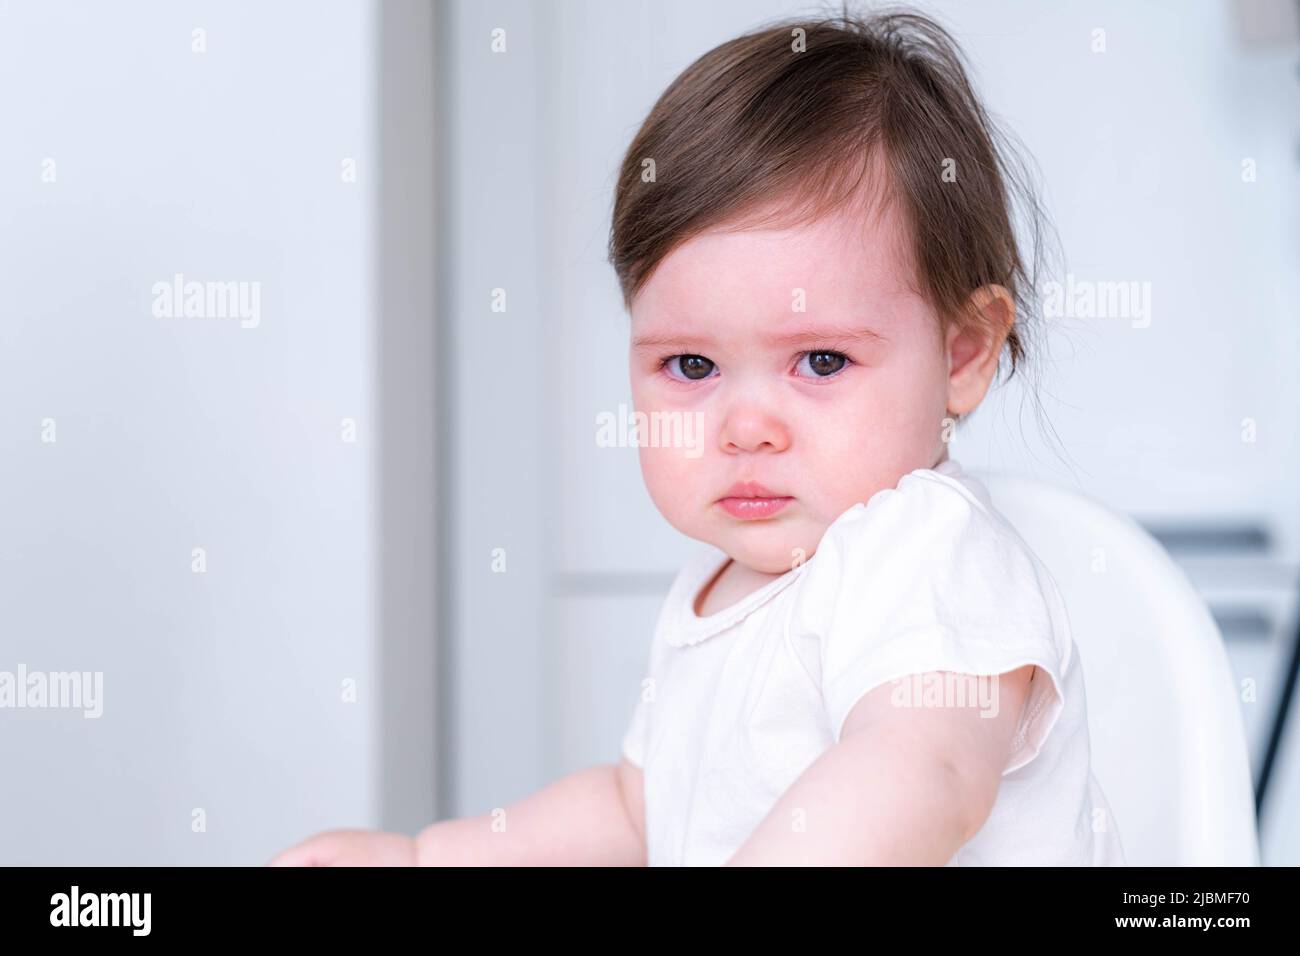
812, 369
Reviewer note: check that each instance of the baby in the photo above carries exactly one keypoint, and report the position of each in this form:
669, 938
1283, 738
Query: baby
864, 663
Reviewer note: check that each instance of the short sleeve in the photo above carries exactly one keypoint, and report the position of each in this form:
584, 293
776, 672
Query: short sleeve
924, 577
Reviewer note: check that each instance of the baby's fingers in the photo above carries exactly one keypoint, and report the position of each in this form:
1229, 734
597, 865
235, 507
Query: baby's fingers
319, 850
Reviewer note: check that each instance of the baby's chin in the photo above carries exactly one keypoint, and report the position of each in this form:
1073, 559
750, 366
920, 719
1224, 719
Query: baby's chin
767, 548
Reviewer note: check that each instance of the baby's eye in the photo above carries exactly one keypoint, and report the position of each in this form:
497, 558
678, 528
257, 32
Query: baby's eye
823, 364
690, 368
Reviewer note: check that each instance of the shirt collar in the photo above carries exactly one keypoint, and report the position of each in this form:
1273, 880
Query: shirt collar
685, 627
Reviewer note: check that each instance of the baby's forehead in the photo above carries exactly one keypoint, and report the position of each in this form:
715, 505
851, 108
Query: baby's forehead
771, 255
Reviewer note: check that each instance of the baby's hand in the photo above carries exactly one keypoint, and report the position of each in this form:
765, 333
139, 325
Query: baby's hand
350, 848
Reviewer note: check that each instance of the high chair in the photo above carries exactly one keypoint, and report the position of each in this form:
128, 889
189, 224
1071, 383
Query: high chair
1169, 745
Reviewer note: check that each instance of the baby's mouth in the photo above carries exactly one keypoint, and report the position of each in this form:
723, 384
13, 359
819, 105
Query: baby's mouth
748, 500
753, 508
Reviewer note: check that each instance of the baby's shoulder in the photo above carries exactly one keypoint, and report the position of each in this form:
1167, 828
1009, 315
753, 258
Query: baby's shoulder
932, 548
928, 521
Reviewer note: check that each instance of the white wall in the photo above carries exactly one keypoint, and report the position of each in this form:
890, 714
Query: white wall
499, 468
223, 690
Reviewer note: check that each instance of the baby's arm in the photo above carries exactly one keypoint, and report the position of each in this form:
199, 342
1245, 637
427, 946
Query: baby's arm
595, 817
904, 786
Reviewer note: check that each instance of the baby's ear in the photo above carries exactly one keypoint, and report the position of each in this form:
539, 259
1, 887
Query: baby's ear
974, 345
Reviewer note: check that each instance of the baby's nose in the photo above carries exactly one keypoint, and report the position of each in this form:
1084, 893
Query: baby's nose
750, 427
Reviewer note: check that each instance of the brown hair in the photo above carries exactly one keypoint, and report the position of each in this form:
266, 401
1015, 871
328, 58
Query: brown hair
799, 110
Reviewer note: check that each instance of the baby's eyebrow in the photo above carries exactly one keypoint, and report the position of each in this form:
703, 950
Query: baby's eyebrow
826, 334
646, 343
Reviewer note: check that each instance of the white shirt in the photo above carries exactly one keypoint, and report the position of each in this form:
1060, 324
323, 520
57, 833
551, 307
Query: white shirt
926, 576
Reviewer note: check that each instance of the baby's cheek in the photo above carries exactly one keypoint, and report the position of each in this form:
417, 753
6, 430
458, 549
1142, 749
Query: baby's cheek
671, 477
834, 459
